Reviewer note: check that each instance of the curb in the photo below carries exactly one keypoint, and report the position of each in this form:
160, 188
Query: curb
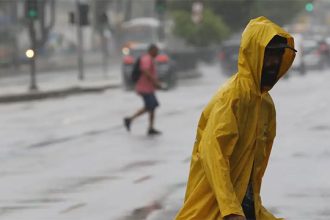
39, 95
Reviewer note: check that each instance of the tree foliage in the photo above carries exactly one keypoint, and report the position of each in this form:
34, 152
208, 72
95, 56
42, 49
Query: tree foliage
209, 31
237, 13
230, 14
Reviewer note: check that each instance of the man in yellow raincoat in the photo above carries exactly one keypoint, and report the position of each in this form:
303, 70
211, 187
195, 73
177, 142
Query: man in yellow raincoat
236, 131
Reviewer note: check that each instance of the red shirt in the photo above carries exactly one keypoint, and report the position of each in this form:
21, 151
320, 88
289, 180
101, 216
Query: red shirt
145, 85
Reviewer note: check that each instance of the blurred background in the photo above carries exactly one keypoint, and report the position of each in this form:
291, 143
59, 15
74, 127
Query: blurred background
186, 30
65, 86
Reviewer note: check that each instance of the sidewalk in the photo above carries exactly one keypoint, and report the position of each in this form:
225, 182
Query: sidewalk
58, 84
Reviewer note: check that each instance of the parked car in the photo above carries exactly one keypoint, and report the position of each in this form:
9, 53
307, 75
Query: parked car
6, 48
312, 56
228, 55
298, 63
324, 48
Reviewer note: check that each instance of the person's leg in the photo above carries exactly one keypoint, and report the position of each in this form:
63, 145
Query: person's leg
138, 113
152, 105
128, 120
151, 119
152, 130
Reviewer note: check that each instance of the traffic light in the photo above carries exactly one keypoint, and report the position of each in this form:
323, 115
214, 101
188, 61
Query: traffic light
83, 14
83, 10
309, 7
31, 9
160, 6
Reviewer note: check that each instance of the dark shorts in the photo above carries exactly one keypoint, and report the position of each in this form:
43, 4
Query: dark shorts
150, 101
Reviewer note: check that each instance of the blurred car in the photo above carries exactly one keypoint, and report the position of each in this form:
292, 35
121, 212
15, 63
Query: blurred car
164, 67
324, 48
6, 48
312, 56
6, 55
298, 63
228, 55
136, 36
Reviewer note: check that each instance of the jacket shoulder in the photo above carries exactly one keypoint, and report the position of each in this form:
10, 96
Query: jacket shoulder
269, 103
236, 92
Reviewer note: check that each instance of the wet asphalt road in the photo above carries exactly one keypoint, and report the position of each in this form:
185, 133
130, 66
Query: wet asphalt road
71, 158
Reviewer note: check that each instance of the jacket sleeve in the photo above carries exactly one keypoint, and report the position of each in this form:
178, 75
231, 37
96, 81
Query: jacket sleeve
219, 139
262, 160
264, 213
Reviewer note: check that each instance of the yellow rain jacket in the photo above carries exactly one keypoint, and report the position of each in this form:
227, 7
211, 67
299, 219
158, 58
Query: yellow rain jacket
235, 134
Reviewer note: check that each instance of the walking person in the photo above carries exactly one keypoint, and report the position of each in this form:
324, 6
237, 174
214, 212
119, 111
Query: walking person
236, 131
146, 87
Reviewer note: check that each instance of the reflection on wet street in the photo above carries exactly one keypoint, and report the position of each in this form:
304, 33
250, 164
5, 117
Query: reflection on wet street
89, 167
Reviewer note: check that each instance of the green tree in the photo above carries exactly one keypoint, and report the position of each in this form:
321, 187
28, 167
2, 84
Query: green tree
210, 30
281, 11
237, 13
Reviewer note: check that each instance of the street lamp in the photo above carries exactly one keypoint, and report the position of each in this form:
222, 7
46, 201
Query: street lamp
29, 53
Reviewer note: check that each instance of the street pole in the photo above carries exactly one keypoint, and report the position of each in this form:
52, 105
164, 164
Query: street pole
103, 26
80, 50
15, 43
105, 53
33, 81
128, 11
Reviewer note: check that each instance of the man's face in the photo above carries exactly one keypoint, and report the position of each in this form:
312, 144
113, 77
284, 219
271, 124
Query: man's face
154, 52
271, 66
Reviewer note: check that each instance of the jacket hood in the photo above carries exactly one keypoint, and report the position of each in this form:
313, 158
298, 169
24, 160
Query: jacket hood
255, 38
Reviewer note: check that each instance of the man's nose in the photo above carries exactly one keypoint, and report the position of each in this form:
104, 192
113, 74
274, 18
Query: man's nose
275, 61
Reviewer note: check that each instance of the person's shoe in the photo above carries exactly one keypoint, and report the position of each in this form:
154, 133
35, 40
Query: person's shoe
127, 123
153, 131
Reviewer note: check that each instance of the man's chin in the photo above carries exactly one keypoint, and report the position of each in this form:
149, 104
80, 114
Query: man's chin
266, 88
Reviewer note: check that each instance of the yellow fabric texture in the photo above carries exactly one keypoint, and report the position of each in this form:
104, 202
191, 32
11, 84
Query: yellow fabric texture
235, 134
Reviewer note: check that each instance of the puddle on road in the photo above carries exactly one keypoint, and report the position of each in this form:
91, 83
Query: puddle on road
324, 154
94, 132
142, 179
51, 142
143, 212
69, 186
174, 112
320, 127
298, 195
320, 198
320, 155
324, 213
61, 140
139, 164
77, 184
299, 155
323, 193
5, 210
73, 207
40, 201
